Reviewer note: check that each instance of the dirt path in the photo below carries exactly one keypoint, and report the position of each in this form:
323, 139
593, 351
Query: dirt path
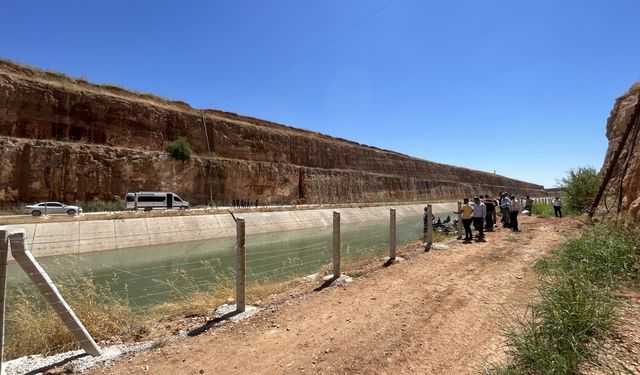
435, 313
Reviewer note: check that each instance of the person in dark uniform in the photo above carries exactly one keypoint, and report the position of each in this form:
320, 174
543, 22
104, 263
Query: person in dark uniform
489, 204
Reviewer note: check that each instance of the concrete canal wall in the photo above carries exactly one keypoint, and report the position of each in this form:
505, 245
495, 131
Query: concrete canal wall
64, 238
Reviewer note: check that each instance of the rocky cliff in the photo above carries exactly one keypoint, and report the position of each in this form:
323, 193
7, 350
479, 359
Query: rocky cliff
69, 139
622, 162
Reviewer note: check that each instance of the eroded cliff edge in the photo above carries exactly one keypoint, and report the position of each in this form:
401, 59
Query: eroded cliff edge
622, 160
68, 139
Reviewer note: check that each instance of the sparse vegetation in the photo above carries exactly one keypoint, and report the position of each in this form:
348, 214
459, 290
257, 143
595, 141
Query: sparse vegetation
512, 238
11, 208
111, 88
180, 149
441, 236
35, 327
576, 304
542, 210
99, 205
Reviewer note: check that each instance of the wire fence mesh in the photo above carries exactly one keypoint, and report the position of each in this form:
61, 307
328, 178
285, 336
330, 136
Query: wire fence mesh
147, 279
151, 275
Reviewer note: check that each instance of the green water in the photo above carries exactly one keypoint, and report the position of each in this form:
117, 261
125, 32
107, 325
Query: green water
150, 275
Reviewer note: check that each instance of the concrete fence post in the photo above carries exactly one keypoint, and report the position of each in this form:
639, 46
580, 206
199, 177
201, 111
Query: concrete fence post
392, 234
336, 244
4, 254
429, 239
240, 266
39, 277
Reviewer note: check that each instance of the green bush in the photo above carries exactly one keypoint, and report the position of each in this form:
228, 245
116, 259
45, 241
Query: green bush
580, 188
180, 149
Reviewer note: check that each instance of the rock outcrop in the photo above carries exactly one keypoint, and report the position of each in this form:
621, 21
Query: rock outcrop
622, 162
68, 139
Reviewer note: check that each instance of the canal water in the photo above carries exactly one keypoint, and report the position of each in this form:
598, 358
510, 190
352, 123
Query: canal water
148, 276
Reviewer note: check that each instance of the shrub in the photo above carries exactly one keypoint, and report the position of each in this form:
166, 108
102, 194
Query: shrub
580, 188
180, 149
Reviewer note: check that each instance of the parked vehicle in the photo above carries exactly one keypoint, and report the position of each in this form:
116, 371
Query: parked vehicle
150, 200
48, 208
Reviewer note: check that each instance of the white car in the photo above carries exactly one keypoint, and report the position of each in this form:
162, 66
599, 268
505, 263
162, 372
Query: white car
48, 208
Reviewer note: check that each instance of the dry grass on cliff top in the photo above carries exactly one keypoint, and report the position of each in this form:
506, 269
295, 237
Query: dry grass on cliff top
54, 76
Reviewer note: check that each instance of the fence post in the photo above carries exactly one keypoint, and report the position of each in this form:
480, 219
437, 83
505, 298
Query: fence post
429, 239
392, 234
240, 265
459, 226
4, 253
39, 277
336, 244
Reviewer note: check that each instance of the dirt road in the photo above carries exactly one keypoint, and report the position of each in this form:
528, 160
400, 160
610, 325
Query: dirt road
435, 313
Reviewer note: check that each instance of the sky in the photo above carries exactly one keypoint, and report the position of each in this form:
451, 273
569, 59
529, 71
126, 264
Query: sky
522, 88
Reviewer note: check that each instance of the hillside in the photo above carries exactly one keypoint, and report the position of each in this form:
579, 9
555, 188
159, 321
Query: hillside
69, 139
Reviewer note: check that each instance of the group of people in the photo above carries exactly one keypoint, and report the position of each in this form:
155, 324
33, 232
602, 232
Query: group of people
242, 203
483, 214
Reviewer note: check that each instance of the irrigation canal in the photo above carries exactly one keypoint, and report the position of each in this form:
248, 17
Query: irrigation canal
151, 275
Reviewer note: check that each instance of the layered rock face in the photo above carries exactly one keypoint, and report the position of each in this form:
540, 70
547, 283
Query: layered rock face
622, 193
68, 139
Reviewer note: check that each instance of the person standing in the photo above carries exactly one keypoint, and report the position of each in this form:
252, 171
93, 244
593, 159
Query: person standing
557, 206
426, 221
514, 209
465, 213
528, 205
504, 209
488, 203
478, 215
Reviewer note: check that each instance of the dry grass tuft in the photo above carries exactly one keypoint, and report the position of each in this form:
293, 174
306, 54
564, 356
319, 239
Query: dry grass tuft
35, 327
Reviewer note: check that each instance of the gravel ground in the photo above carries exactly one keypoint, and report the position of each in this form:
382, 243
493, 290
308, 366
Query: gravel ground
78, 361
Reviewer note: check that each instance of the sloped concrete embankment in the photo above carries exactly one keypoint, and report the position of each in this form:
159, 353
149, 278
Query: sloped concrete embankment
50, 239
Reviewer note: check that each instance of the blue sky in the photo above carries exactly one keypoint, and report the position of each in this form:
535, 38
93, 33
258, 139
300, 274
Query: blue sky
522, 88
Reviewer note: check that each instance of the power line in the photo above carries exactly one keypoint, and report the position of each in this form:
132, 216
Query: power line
309, 54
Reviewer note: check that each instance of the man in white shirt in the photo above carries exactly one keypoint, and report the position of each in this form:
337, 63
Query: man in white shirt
479, 212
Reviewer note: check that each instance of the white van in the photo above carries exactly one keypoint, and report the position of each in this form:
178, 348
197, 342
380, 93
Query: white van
149, 200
